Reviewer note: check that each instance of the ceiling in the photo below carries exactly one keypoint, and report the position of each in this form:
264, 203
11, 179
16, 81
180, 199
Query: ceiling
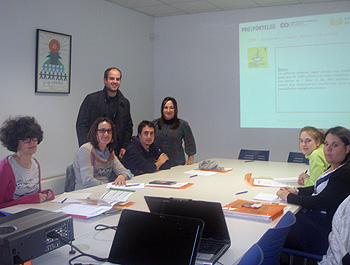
163, 8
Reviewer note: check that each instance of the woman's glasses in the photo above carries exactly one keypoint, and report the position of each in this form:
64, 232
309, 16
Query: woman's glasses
27, 140
103, 131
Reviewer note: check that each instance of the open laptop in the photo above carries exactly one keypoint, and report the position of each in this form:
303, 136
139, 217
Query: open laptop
215, 238
157, 239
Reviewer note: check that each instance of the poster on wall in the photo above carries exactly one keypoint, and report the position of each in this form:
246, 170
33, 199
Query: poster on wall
53, 62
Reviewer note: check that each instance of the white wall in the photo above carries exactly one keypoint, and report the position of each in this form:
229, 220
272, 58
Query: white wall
193, 58
103, 35
197, 62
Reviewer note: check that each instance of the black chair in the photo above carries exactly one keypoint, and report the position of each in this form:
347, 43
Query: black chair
295, 157
254, 155
69, 183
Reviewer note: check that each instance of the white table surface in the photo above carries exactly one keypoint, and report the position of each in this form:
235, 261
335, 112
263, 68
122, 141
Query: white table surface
220, 187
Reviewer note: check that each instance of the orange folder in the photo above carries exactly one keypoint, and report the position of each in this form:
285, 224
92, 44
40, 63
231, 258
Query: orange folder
266, 213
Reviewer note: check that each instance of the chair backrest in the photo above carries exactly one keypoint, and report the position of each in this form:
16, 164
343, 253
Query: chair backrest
254, 155
254, 256
295, 157
273, 240
69, 183
298, 253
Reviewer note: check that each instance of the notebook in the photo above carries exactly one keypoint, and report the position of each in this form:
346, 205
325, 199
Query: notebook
151, 238
215, 238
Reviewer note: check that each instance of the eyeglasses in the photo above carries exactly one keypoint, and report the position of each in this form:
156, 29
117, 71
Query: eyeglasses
27, 140
103, 131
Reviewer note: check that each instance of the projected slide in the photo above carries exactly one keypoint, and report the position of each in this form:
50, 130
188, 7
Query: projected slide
295, 72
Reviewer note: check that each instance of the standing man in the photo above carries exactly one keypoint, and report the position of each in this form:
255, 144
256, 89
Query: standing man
109, 103
142, 155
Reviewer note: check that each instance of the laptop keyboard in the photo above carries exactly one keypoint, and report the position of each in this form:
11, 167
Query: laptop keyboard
209, 247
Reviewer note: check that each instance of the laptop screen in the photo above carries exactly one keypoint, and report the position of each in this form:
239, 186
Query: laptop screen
148, 238
210, 212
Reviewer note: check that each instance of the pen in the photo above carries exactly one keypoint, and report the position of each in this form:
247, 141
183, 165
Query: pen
249, 161
63, 200
241, 192
193, 176
131, 185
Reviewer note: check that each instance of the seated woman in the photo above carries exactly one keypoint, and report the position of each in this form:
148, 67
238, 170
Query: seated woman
20, 172
319, 202
311, 143
95, 162
170, 131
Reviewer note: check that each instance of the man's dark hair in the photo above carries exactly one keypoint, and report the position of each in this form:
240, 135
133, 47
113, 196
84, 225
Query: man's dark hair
109, 69
143, 124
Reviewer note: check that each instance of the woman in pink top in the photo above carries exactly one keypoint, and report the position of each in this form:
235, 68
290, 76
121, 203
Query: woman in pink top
20, 172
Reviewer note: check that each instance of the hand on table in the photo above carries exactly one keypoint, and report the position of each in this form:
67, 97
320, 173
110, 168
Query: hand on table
120, 180
284, 192
302, 178
46, 195
190, 160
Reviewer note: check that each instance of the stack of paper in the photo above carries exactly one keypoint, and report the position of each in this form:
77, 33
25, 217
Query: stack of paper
266, 213
114, 196
269, 182
88, 208
84, 210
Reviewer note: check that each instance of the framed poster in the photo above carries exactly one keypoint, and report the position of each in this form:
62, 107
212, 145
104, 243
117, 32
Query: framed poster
53, 62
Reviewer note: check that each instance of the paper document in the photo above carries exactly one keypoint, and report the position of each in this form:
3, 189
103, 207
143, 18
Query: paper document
130, 186
83, 210
114, 196
201, 173
269, 182
267, 197
287, 180
71, 197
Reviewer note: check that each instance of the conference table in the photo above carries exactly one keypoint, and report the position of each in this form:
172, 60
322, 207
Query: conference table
221, 187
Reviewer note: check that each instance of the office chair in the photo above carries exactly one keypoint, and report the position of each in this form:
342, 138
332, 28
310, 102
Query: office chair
254, 155
292, 252
273, 240
69, 183
254, 256
295, 157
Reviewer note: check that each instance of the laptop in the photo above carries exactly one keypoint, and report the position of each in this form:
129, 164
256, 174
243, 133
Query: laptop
144, 238
215, 238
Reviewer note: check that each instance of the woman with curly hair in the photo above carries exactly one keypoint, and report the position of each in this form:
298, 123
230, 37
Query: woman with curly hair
20, 172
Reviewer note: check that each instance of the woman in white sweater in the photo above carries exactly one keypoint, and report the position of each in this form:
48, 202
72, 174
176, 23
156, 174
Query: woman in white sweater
339, 238
95, 162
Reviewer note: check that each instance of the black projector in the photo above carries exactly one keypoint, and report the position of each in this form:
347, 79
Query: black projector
28, 234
